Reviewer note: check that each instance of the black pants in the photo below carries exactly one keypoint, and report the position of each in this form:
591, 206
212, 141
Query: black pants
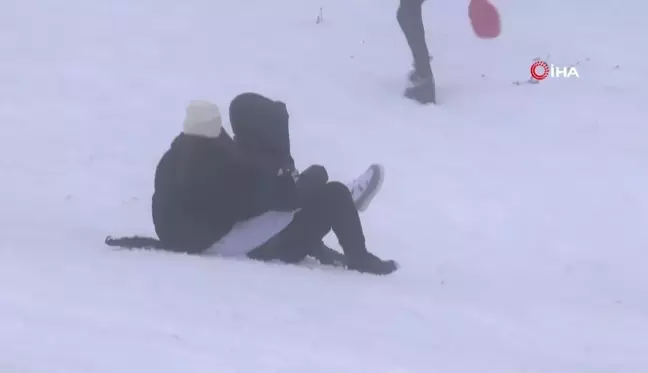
325, 206
410, 19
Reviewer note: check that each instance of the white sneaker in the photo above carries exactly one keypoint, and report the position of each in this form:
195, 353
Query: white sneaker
366, 186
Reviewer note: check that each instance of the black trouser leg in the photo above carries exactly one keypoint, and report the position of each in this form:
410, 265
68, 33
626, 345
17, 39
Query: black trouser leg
410, 19
310, 182
329, 208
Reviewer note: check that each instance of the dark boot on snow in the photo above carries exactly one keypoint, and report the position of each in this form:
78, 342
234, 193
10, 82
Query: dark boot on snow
371, 264
423, 89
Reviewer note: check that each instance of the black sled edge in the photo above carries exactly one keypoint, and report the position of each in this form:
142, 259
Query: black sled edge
134, 242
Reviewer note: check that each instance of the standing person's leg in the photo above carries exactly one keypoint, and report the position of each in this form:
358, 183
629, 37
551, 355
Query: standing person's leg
410, 19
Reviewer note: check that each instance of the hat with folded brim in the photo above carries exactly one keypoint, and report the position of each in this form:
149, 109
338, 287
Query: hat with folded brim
203, 119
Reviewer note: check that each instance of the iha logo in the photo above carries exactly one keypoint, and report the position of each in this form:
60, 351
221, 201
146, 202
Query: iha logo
541, 70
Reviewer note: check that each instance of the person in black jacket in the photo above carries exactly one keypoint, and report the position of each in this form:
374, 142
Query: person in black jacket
192, 204
261, 128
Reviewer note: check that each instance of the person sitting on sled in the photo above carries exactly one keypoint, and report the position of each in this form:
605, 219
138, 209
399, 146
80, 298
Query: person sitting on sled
242, 195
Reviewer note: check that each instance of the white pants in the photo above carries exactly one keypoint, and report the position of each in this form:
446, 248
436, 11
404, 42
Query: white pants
250, 234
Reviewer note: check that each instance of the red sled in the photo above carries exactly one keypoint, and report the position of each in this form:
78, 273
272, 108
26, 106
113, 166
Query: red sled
484, 18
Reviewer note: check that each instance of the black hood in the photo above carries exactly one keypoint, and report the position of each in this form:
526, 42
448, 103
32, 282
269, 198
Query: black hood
260, 125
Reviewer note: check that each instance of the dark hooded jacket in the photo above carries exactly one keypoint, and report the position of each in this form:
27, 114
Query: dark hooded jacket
261, 134
260, 127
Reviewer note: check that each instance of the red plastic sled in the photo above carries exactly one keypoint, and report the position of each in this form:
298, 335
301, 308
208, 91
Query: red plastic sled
484, 18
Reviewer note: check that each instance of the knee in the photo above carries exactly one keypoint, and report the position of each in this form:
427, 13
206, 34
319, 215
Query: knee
311, 181
328, 198
335, 190
316, 173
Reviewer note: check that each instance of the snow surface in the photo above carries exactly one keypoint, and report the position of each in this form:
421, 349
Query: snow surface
519, 213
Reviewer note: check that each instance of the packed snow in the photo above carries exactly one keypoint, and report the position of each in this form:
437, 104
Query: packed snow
518, 212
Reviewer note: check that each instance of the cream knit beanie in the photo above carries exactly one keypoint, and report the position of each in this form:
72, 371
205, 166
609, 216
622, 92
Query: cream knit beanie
203, 119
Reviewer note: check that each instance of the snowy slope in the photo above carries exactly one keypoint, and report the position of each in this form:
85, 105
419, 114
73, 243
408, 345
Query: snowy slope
518, 212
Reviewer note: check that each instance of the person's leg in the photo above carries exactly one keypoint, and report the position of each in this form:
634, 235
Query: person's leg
331, 208
309, 182
301, 237
275, 249
410, 19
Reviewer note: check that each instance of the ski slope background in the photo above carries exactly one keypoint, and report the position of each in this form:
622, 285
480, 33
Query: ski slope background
518, 212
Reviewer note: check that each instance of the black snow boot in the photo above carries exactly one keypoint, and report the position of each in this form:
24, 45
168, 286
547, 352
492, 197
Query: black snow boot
371, 264
423, 88
415, 77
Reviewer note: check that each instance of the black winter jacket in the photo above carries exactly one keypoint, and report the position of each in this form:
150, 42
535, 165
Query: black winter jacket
261, 132
193, 204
